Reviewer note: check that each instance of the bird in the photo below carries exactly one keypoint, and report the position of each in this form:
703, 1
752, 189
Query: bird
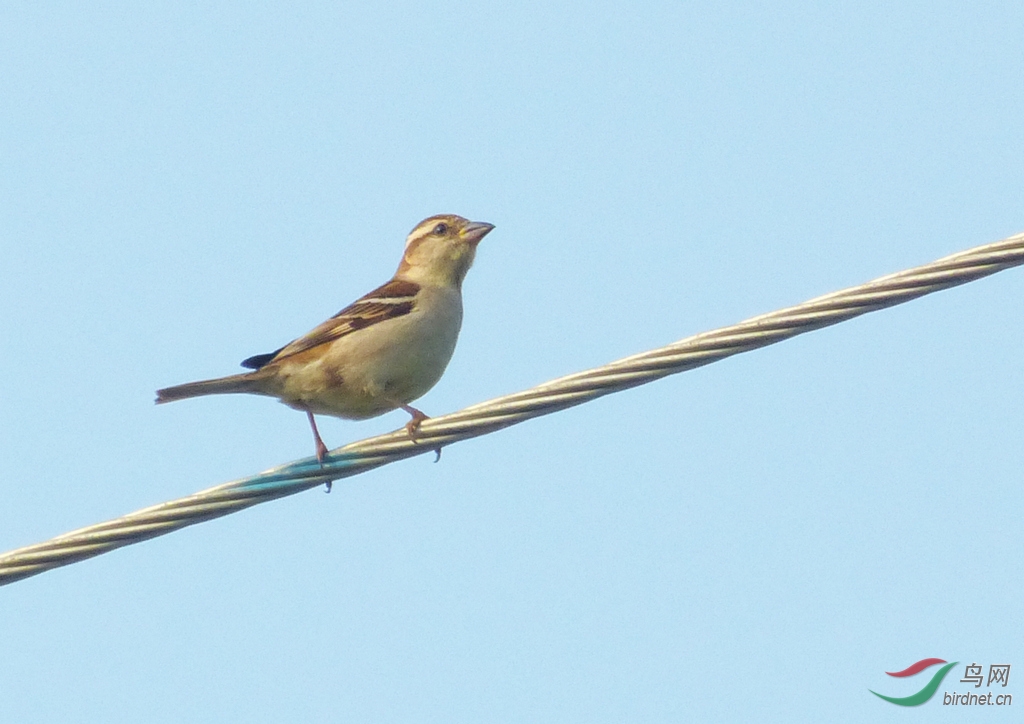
378, 354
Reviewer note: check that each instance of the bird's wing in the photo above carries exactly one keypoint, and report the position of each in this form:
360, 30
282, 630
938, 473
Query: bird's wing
394, 299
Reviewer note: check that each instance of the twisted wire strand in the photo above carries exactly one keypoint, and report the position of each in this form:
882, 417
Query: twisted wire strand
501, 412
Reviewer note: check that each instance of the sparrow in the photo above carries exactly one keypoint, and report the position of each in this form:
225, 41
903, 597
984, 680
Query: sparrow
381, 352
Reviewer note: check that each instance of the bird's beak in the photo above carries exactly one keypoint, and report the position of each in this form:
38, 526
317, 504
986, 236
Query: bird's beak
474, 231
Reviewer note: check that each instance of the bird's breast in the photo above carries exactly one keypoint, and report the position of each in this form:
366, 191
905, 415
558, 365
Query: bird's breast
378, 368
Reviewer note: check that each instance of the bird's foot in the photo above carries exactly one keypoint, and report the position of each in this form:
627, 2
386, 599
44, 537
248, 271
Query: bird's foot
321, 452
413, 426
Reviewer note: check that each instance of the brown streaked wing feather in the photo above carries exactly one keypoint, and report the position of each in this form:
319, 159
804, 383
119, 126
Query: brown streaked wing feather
389, 301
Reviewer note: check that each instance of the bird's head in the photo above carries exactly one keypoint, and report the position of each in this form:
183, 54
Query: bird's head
440, 250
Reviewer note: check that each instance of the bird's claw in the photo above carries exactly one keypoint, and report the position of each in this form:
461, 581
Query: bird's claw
413, 426
321, 452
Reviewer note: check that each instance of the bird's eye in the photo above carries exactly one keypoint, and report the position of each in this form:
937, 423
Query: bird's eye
441, 229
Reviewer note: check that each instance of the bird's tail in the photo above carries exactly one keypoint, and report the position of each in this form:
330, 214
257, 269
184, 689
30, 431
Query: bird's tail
246, 382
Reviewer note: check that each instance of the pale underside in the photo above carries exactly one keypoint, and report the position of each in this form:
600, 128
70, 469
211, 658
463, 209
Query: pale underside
376, 370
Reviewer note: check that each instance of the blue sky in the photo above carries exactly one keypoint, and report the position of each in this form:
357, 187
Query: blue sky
760, 539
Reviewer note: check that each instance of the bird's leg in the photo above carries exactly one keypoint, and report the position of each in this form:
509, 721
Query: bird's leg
321, 449
413, 426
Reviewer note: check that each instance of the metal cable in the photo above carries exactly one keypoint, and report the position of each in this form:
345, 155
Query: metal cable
501, 412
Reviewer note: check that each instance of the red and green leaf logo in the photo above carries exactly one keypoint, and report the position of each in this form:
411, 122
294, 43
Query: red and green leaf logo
929, 689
